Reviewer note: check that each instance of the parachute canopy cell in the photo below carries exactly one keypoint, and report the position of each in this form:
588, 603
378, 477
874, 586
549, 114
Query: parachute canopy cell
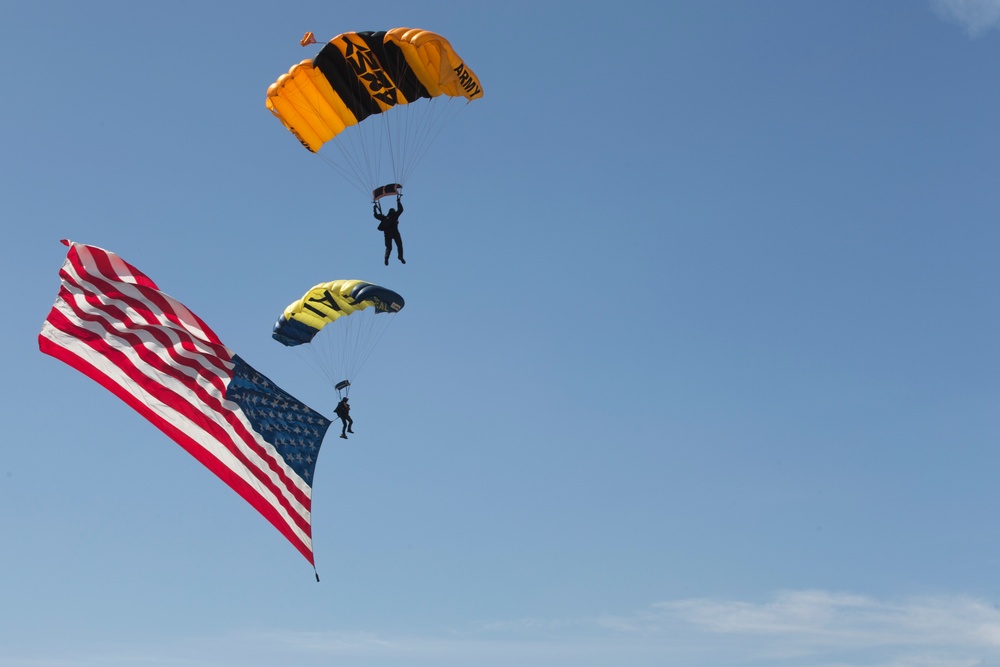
358, 74
327, 302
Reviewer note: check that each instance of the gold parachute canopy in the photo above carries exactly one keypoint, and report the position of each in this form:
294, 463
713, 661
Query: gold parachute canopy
360, 74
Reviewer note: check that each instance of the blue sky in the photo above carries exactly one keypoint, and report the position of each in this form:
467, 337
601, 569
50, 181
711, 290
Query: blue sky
699, 362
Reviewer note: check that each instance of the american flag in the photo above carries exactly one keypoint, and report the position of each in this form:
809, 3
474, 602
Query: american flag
113, 324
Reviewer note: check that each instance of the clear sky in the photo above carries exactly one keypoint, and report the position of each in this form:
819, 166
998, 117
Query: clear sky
699, 364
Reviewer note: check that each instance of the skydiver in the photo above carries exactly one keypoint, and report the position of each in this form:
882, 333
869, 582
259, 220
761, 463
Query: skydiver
389, 226
343, 410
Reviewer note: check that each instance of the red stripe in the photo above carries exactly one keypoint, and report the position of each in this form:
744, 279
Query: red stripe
177, 403
247, 492
113, 314
111, 290
73, 256
130, 314
143, 283
110, 313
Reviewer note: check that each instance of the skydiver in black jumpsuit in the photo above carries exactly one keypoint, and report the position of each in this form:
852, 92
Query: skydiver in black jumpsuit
389, 226
343, 410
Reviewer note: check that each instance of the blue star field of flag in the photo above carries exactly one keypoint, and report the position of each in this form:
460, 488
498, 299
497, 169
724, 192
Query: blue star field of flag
294, 429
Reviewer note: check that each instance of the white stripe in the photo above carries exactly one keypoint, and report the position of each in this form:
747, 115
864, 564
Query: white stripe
107, 368
151, 344
207, 370
88, 290
128, 279
178, 387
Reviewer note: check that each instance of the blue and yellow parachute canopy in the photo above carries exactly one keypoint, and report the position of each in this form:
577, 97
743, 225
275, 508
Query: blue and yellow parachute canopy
326, 303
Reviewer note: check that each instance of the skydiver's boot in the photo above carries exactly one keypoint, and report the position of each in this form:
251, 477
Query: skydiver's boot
402, 260
387, 259
343, 436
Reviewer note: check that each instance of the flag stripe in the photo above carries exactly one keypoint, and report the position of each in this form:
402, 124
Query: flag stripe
112, 319
112, 323
95, 262
179, 398
137, 299
191, 443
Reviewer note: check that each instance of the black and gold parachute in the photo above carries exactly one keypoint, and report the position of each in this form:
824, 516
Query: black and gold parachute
358, 74
365, 75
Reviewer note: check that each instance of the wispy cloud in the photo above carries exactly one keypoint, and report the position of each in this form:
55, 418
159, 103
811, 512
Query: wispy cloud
824, 628
976, 16
808, 628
